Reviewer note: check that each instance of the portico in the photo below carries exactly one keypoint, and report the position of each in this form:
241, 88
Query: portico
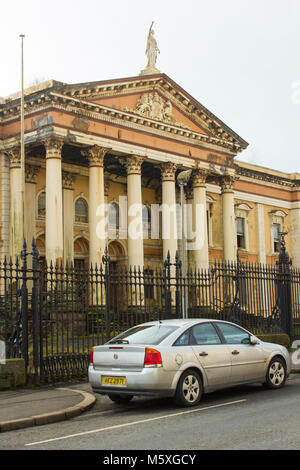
124, 153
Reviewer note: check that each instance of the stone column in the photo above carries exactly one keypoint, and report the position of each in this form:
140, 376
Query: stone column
16, 220
54, 214
97, 213
30, 203
169, 223
68, 216
228, 216
135, 241
200, 221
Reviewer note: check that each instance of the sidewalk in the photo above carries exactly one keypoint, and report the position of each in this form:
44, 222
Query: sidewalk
21, 408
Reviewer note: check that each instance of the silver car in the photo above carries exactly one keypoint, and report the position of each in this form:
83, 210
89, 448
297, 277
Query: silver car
184, 359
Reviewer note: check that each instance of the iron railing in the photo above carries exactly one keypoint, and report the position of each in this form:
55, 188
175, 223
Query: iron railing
52, 315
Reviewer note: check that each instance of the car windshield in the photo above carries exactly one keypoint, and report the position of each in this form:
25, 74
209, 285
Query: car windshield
146, 334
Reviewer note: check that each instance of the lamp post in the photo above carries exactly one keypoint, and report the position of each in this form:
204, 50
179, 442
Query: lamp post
182, 180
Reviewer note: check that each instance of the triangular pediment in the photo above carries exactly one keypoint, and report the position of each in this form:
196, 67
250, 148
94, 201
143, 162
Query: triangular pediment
158, 99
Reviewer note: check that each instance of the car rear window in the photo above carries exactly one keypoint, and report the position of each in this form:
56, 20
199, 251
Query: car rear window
147, 334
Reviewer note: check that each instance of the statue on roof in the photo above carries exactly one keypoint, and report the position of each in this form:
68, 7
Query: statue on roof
151, 53
152, 49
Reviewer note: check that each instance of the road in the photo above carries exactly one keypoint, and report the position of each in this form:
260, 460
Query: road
246, 418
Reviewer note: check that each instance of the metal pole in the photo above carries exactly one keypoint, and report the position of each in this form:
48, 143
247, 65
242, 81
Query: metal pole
184, 304
22, 133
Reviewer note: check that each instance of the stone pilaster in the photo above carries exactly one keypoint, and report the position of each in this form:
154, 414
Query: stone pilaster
54, 207
228, 216
31, 171
295, 234
68, 215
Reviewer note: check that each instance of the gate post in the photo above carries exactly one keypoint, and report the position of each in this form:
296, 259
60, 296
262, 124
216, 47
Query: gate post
34, 311
167, 287
180, 299
24, 307
284, 289
105, 261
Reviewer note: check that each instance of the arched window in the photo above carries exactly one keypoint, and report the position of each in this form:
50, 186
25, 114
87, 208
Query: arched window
41, 206
146, 214
113, 216
81, 210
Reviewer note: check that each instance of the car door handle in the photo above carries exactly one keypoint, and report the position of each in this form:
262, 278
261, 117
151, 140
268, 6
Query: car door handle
235, 352
203, 354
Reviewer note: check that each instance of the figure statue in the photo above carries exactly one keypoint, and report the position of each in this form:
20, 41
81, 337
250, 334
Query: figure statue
152, 49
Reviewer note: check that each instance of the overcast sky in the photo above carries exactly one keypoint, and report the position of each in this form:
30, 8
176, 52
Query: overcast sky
239, 58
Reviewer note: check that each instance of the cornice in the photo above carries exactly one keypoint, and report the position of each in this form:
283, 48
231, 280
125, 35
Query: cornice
54, 100
76, 98
263, 176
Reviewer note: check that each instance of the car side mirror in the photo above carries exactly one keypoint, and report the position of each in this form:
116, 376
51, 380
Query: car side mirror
254, 340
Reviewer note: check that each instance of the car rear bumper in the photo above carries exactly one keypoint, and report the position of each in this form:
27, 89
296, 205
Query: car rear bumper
148, 382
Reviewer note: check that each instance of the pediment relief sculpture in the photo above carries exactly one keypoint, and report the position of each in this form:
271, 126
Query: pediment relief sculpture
152, 106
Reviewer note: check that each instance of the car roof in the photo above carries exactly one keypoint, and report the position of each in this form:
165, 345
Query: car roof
181, 321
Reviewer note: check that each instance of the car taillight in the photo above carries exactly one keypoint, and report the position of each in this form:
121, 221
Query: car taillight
152, 358
92, 356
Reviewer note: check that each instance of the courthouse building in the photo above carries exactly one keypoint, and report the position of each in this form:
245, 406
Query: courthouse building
124, 142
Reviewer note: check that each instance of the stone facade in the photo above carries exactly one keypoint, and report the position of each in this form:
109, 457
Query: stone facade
123, 142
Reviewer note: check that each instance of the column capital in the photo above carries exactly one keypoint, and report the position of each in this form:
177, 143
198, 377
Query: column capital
199, 178
96, 154
31, 171
134, 164
14, 155
53, 146
67, 179
168, 171
227, 183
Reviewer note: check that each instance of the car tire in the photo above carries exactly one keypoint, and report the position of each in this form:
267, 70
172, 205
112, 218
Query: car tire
122, 399
189, 389
276, 374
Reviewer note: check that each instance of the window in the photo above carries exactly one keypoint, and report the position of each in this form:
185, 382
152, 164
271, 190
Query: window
276, 237
233, 334
146, 221
240, 232
204, 333
242, 215
150, 334
41, 206
184, 339
113, 216
81, 210
277, 224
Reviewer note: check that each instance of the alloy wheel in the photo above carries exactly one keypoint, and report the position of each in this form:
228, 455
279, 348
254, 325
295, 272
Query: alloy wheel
191, 389
277, 374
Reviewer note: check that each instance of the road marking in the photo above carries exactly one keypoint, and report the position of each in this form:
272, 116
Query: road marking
133, 423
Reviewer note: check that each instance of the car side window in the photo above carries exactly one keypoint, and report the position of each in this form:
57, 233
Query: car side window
204, 333
184, 339
233, 334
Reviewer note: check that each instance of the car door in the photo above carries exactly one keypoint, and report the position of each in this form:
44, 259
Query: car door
247, 360
213, 356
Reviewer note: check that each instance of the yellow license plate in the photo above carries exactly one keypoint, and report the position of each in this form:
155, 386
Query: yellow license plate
117, 381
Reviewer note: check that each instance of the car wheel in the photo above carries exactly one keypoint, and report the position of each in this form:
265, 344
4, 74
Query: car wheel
189, 389
276, 373
122, 399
